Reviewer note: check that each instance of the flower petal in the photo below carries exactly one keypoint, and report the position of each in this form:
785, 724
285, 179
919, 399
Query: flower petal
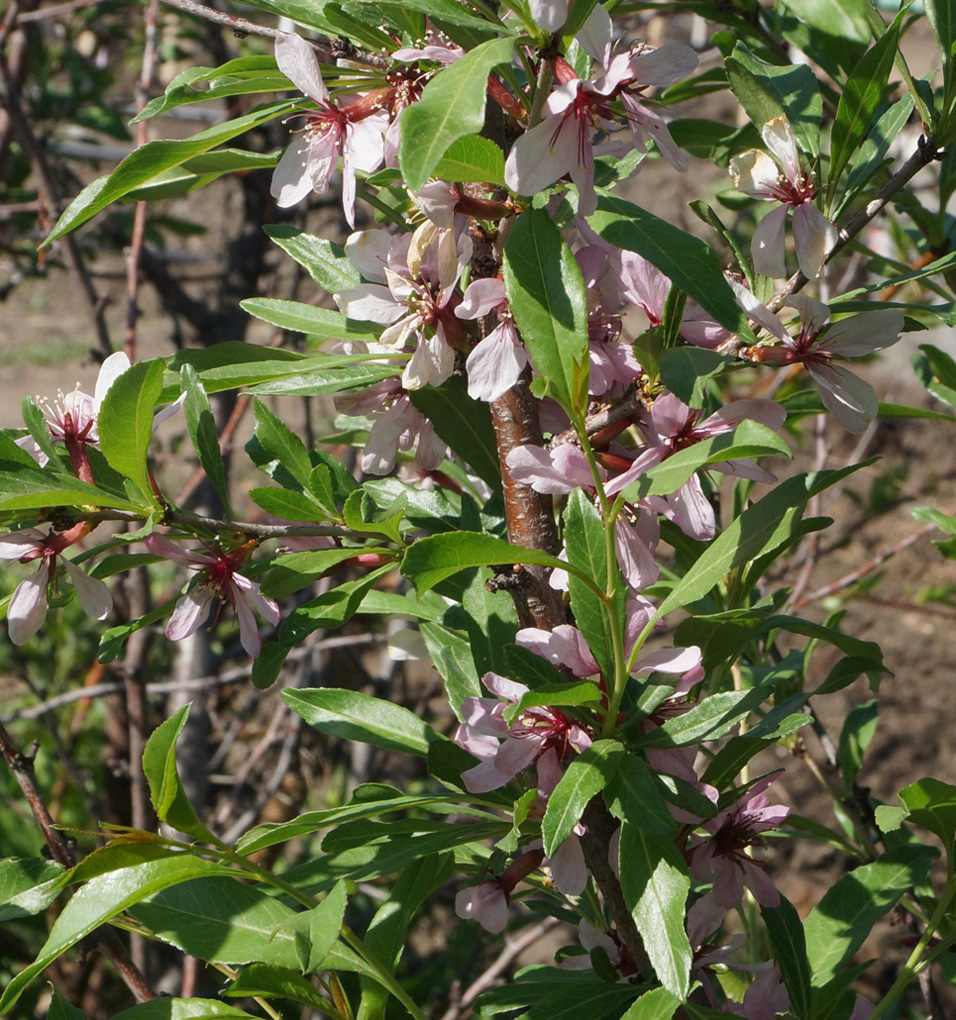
297, 61
93, 594
28, 606
767, 245
814, 237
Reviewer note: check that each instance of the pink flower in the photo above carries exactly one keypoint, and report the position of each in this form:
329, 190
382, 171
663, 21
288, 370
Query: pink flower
849, 399
487, 902
397, 425
781, 179
766, 997
354, 132
496, 362
217, 581
722, 859
505, 750
417, 300
673, 426
28, 606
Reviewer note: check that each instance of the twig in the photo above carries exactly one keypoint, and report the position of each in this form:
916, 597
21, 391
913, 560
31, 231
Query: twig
199, 683
21, 125
856, 575
139, 215
926, 152
268, 738
46, 13
513, 948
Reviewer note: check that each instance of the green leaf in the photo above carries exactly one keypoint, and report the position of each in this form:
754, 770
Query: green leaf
687, 261
222, 920
748, 439
855, 737
323, 260
166, 791
28, 488
759, 529
27, 886
472, 159
585, 777
633, 795
244, 76
302, 318
464, 424
324, 380
657, 1004
331, 609
785, 930
711, 719
430, 560
199, 171
291, 572
931, 804
289, 505
655, 884
446, 10
60, 1009
355, 716
144, 163
202, 432
840, 923
547, 993
451, 656
452, 106
281, 443
101, 899
548, 301
859, 102
585, 541
167, 1008
766, 91
270, 982
125, 422
40, 431
941, 16
686, 370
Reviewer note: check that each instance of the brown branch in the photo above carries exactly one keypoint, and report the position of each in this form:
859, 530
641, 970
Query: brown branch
21, 126
46, 13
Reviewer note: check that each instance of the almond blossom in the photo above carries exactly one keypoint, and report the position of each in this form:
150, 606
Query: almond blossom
497, 361
578, 109
218, 581
782, 179
412, 294
354, 131
849, 398
28, 606
487, 902
722, 857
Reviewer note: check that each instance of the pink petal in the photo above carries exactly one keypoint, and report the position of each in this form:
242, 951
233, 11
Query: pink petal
494, 366
862, 334
851, 400
28, 606
767, 245
542, 155
111, 369
814, 237
291, 180
778, 137
93, 594
481, 297
190, 613
297, 61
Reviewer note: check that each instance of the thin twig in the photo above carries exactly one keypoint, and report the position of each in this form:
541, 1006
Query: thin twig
46, 13
199, 683
513, 948
21, 126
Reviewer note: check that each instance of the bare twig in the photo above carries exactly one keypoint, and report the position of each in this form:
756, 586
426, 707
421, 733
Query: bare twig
21, 126
513, 948
48, 13
139, 216
199, 683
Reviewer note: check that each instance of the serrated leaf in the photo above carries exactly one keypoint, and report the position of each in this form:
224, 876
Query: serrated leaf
166, 791
452, 106
355, 716
101, 899
464, 424
144, 163
472, 159
655, 884
547, 298
840, 923
585, 777
633, 794
309, 319
125, 422
323, 260
430, 560
202, 432
687, 261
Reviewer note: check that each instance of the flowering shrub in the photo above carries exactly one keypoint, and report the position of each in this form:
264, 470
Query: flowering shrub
566, 502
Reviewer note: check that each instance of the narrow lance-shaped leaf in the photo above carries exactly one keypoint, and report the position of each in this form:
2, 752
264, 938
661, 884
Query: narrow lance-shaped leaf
125, 422
452, 106
547, 298
585, 777
202, 432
